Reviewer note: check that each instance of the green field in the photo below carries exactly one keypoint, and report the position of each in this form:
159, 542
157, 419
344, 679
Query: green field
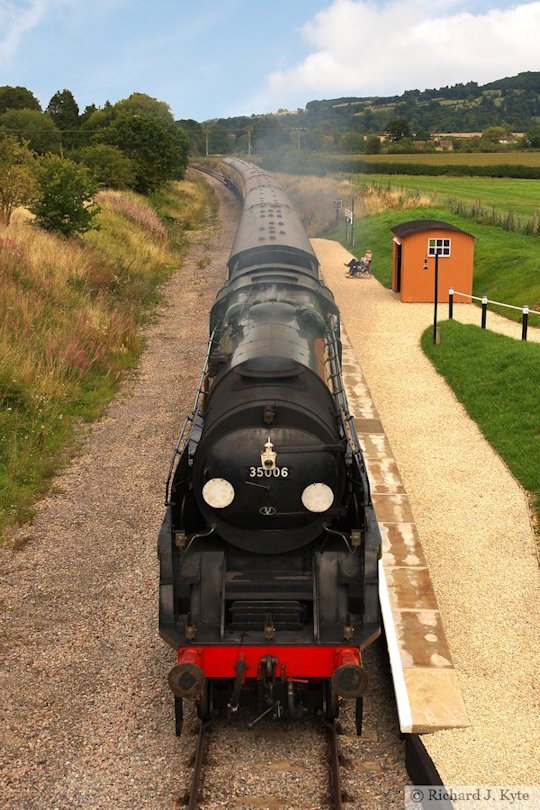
522, 197
453, 158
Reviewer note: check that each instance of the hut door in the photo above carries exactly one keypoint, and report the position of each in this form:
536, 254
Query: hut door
398, 269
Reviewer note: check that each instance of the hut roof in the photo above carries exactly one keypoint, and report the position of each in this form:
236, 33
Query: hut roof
419, 225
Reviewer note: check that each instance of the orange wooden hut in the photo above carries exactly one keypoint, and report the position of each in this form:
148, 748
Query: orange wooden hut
422, 239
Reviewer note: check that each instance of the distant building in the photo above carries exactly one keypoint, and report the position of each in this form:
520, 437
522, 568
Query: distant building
445, 139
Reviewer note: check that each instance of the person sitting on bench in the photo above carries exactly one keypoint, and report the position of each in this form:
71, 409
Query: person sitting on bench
360, 266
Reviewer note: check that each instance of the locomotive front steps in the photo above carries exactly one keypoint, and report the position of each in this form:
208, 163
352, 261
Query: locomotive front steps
425, 682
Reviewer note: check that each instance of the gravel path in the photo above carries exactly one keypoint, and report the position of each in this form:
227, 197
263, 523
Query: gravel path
474, 525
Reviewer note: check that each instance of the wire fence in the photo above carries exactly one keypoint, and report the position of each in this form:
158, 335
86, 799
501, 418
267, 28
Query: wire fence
525, 311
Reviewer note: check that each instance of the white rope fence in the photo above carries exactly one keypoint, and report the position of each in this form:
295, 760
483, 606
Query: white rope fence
525, 311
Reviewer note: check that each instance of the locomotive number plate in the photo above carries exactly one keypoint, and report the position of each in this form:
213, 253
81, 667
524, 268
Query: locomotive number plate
277, 472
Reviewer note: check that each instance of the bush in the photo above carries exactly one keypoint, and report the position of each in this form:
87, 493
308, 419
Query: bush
32, 127
109, 165
158, 149
18, 177
66, 197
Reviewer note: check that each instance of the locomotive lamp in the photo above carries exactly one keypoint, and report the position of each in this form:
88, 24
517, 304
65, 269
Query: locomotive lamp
268, 457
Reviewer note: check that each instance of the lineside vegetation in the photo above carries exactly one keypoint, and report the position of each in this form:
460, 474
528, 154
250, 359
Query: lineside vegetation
70, 318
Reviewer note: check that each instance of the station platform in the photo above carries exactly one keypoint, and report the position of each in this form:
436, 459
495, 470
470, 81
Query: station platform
426, 685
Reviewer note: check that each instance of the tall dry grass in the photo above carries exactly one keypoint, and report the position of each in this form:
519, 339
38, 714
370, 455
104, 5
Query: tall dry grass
313, 196
375, 198
70, 312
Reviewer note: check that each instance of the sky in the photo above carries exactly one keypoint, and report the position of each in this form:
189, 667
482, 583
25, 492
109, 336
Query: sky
220, 58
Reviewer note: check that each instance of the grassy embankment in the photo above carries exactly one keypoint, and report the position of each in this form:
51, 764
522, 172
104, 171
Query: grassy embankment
497, 379
70, 318
506, 266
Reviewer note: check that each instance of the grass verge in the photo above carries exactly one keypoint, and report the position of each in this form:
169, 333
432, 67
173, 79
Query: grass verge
497, 379
70, 318
506, 266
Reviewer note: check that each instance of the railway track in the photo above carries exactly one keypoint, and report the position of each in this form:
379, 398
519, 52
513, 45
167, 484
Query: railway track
195, 797
238, 767
212, 173
307, 764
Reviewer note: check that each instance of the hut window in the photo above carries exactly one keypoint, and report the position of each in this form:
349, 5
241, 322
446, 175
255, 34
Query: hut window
439, 247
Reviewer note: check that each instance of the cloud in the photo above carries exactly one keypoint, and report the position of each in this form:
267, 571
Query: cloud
363, 49
15, 20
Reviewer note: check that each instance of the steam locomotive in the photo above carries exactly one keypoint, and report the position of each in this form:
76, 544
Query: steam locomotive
269, 545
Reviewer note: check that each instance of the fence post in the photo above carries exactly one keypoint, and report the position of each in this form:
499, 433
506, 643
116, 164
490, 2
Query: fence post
524, 323
450, 303
484, 311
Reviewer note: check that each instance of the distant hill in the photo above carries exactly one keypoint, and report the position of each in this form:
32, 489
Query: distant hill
513, 102
341, 124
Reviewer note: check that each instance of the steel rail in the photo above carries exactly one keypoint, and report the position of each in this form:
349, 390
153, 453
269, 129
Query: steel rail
194, 797
212, 172
336, 791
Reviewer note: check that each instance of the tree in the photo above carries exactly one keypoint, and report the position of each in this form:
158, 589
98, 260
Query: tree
397, 129
219, 140
17, 98
95, 119
140, 103
532, 137
494, 134
195, 134
373, 145
18, 176
353, 142
159, 150
109, 165
66, 202
64, 111
37, 128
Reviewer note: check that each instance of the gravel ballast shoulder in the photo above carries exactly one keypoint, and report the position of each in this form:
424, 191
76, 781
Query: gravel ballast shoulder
86, 712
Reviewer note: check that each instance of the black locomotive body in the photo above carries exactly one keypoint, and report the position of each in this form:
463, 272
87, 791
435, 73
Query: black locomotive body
269, 547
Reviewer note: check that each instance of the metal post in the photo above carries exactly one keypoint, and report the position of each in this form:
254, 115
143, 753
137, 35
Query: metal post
436, 297
352, 222
484, 311
450, 303
524, 323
